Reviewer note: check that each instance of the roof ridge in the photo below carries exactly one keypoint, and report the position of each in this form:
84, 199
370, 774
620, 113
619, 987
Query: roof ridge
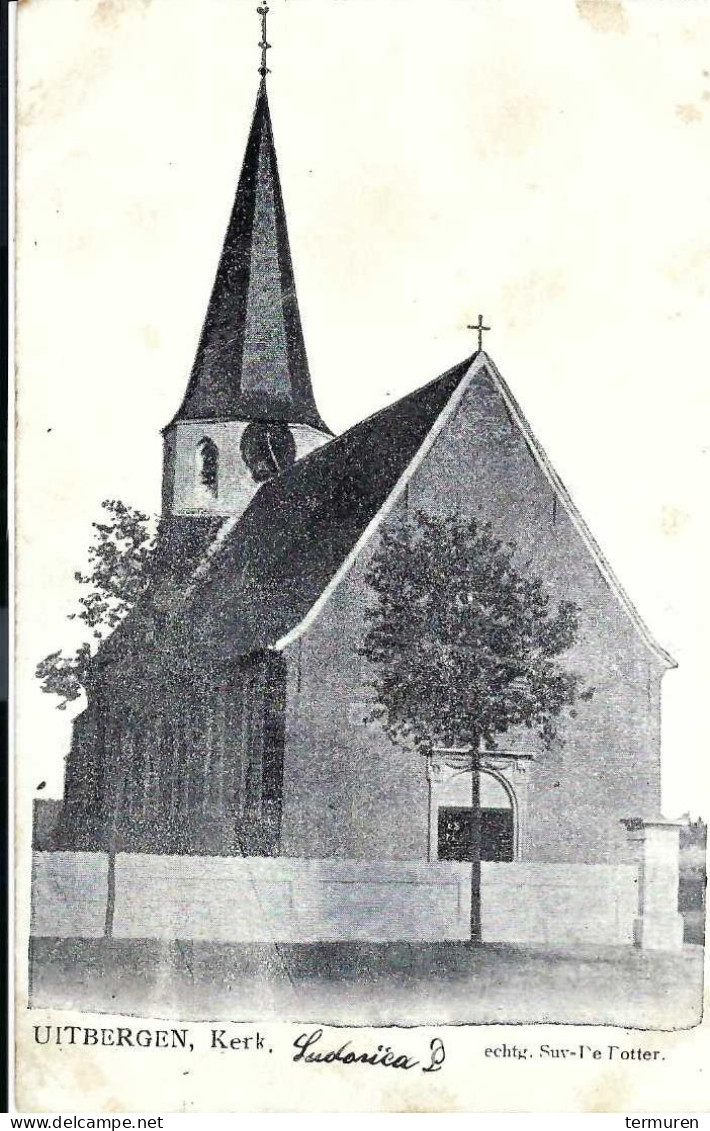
312, 456
299, 537
473, 364
543, 461
222, 536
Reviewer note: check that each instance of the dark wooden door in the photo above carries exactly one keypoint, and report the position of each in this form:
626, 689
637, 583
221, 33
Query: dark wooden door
455, 834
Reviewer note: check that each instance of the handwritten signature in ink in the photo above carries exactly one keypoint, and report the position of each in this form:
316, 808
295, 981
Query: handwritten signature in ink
384, 1056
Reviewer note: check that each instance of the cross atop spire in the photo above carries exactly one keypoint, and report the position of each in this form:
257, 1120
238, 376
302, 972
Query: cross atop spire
481, 330
263, 69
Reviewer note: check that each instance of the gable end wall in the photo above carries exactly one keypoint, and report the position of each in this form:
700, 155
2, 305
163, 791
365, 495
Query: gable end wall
349, 793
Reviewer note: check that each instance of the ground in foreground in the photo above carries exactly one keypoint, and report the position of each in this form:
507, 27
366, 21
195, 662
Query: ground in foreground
369, 984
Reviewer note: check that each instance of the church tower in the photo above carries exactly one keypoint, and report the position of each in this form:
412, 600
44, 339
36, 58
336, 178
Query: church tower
249, 411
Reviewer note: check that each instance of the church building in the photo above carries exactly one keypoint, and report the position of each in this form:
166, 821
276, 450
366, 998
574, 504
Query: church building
229, 713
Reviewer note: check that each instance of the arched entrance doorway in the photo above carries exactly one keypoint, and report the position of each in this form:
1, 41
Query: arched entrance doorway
454, 818
455, 824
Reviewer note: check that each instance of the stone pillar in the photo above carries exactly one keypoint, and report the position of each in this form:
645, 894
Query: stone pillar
655, 846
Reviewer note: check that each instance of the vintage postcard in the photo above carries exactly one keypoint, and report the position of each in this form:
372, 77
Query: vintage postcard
362, 551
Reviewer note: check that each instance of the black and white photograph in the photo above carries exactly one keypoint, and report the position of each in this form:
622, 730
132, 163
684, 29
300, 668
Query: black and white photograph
361, 545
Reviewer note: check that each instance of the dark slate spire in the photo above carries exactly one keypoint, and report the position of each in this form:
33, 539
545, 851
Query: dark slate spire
251, 358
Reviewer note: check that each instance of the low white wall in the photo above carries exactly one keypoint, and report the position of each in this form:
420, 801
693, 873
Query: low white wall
68, 894
232, 899
259, 899
557, 904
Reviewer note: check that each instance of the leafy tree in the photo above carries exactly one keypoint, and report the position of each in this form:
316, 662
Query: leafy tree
119, 568
464, 645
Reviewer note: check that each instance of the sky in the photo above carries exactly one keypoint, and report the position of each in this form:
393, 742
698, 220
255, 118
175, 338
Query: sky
544, 165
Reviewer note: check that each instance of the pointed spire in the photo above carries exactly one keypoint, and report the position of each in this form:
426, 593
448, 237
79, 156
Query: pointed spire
251, 357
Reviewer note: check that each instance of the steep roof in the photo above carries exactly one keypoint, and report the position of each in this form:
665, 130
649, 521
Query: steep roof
251, 359
257, 581
275, 562
270, 572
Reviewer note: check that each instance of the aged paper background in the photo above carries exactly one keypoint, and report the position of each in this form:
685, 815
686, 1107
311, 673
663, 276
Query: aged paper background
545, 164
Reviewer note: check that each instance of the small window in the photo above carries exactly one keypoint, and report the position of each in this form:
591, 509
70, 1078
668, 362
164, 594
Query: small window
208, 465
